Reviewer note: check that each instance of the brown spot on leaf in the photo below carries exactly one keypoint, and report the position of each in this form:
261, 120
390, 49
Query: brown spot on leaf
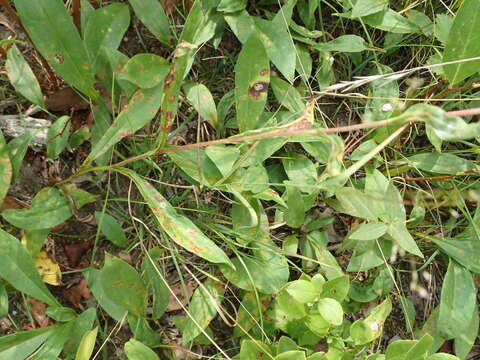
257, 89
264, 72
169, 80
59, 58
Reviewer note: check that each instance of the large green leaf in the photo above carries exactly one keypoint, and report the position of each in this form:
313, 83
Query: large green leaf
440, 163
105, 28
203, 308
142, 108
52, 31
252, 77
465, 27
398, 231
5, 168
180, 228
145, 70
123, 286
458, 301
22, 77
465, 340
464, 251
54, 344
151, 14
354, 202
49, 208
20, 345
18, 269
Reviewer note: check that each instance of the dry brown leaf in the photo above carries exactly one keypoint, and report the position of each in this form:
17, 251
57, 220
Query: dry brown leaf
76, 293
37, 309
48, 270
11, 203
66, 99
75, 252
177, 289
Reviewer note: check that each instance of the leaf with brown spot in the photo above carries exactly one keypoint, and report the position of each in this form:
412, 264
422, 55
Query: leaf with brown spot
140, 110
48, 270
180, 228
252, 77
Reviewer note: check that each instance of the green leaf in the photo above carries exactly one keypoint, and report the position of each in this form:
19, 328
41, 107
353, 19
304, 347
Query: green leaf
61, 314
105, 28
344, 43
465, 26
95, 284
142, 108
203, 307
367, 7
82, 324
57, 137
398, 231
22, 77
294, 214
156, 279
202, 100
303, 291
390, 21
49, 209
464, 251
301, 171
180, 228
79, 137
304, 63
22, 344
355, 203
370, 328
111, 229
458, 301
367, 231
287, 95
440, 163
152, 15
135, 350
266, 272
54, 344
442, 356
3, 300
58, 41
123, 286
331, 310
5, 168
17, 148
145, 70
464, 341
441, 29
252, 76
230, 6
85, 349
291, 355
368, 255
223, 156
376, 107
18, 269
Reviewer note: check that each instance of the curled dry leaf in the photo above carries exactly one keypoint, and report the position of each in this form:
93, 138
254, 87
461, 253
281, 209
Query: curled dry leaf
48, 270
75, 252
76, 293
177, 289
37, 309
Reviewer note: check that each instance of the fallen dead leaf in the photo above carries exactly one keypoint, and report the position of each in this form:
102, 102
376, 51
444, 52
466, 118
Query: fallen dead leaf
76, 293
37, 309
48, 270
66, 99
11, 203
75, 252
177, 289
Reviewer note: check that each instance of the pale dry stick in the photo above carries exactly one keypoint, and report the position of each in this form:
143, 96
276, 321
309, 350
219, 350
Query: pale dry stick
366, 97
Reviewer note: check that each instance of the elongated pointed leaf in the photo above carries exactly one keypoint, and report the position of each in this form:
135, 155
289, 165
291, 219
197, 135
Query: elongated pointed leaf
17, 148
18, 269
21, 344
180, 228
58, 136
145, 70
85, 350
52, 31
142, 108
5, 168
465, 27
54, 344
105, 28
151, 14
22, 77
458, 301
135, 350
252, 77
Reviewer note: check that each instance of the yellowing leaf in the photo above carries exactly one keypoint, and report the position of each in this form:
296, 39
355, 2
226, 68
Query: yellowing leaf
48, 270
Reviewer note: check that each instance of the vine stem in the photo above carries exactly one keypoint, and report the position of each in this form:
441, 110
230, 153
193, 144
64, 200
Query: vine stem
287, 131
